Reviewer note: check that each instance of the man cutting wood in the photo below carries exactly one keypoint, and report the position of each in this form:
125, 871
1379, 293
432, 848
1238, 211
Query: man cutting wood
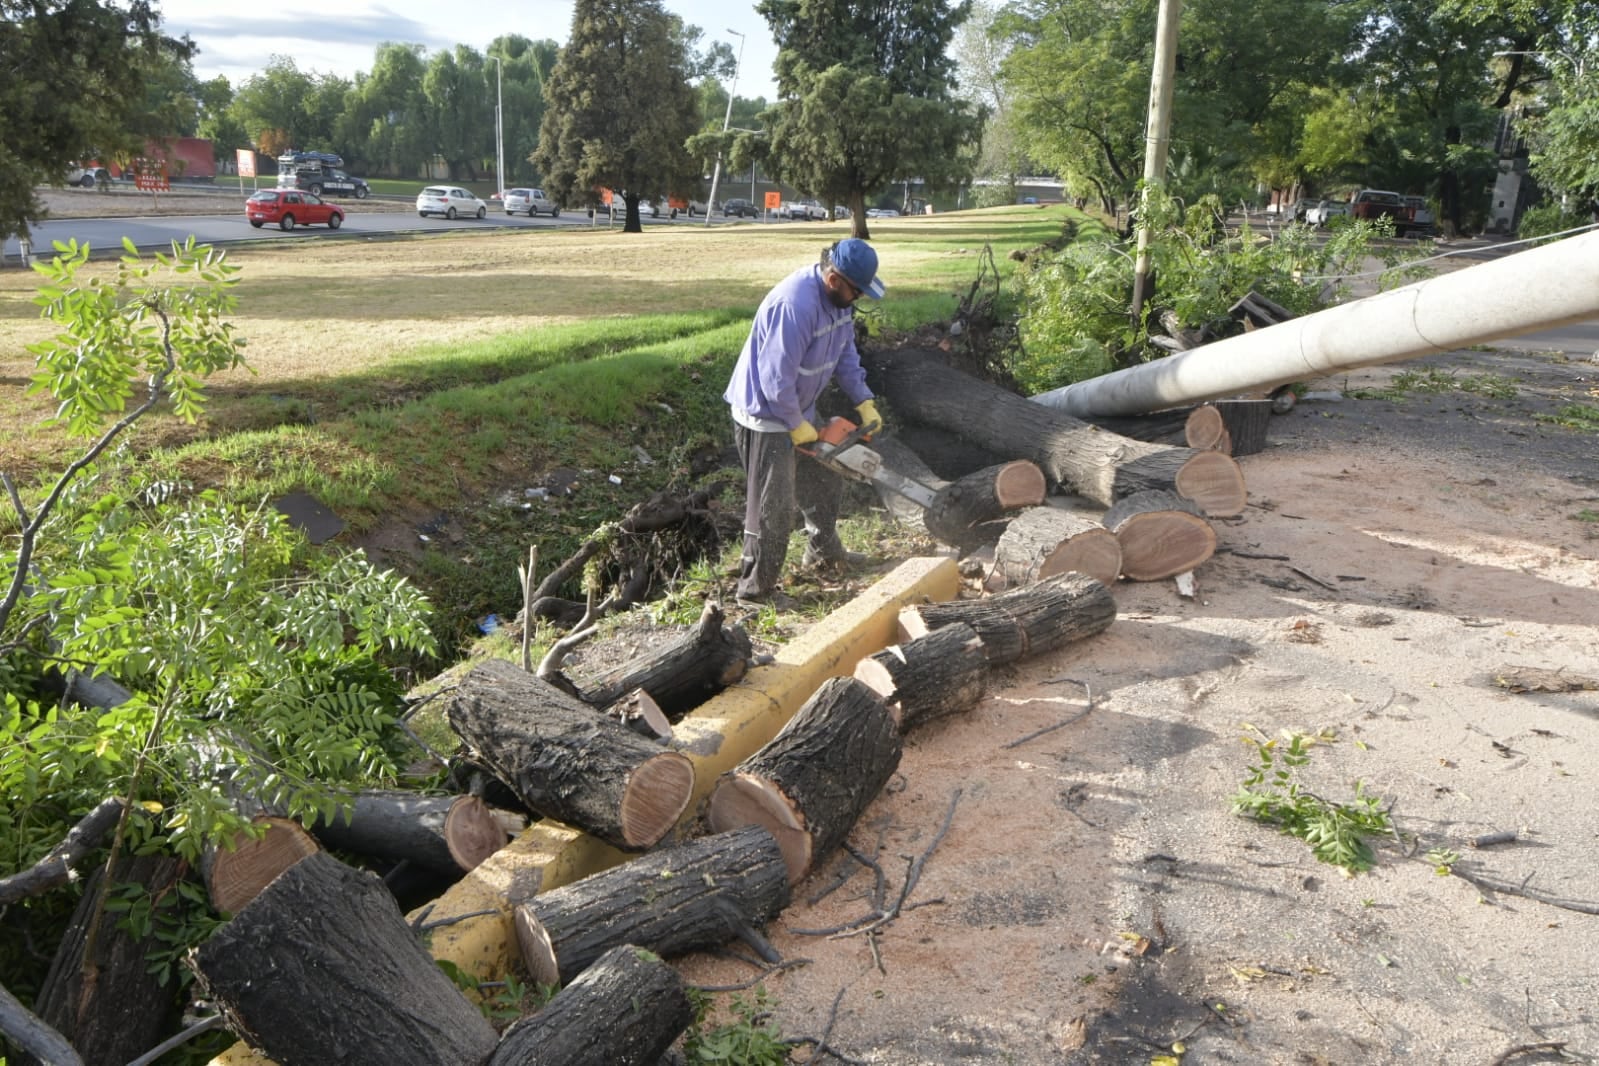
802, 338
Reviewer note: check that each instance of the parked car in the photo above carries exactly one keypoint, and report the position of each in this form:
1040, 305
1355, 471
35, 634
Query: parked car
1380, 203
737, 208
840, 211
291, 207
450, 201
1300, 209
882, 212
682, 205
804, 211
291, 159
1422, 219
87, 177
533, 201
1325, 211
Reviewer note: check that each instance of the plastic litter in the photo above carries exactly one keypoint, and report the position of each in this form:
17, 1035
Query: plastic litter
488, 623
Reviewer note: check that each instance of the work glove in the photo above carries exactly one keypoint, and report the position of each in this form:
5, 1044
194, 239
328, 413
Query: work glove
803, 433
871, 421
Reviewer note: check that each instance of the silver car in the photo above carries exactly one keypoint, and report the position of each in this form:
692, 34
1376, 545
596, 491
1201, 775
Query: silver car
532, 201
451, 201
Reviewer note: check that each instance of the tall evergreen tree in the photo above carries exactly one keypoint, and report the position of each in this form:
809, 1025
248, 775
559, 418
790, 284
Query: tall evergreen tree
620, 107
867, 96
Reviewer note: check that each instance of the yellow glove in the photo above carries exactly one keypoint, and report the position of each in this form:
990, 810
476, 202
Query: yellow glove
871, 421
803, 433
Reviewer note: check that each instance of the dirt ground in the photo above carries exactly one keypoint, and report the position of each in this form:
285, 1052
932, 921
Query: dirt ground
1087, 896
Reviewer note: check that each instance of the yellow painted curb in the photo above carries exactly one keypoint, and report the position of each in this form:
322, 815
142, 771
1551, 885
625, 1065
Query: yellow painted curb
717, 736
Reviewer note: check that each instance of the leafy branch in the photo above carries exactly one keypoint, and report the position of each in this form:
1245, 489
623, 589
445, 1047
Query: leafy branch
1336, 832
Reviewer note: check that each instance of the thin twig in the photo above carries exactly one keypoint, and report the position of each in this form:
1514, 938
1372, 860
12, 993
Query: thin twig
1313, 578
430, 926
1487, 884
1088, 698
1528, 1049
204, 1025
766, 972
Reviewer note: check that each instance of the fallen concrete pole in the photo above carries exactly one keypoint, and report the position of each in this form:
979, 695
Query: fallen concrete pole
1543, 288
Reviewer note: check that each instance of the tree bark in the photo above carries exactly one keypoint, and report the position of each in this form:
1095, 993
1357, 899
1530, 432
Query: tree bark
682, 675
321, 967
451, 834
948, 457
942, 673
672, 901
118, 1010
904, 461
1245, 423
30, 1035
1022, 622
568, 761
810, 784
625, 1010
971, 511
1161, 535
1101, 466
236, 875
55, 869
1044, 541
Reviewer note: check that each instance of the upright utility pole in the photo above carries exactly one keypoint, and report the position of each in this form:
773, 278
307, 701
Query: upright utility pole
716, 174
1157, 139
499, 125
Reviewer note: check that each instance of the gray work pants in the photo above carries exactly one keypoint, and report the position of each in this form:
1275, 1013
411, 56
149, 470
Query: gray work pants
777, 480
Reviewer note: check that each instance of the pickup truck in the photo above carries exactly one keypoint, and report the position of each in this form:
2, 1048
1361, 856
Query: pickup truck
1379, 203
324, 181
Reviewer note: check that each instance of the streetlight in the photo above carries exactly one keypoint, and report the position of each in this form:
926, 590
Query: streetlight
716, 174
499, 125
1576, 64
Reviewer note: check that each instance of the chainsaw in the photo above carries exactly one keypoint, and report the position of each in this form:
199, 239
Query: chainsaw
840, 446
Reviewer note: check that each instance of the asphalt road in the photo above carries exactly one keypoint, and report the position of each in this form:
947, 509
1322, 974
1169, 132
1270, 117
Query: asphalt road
161, 231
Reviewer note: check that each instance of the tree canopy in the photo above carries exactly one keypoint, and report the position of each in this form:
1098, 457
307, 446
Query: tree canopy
867, 96
77, 86
620, 107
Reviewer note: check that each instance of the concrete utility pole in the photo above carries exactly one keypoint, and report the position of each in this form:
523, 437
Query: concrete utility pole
499, 126
710, 204
1158, 138
1542, 288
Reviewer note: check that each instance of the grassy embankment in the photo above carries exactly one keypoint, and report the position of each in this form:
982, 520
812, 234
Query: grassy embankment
398, 380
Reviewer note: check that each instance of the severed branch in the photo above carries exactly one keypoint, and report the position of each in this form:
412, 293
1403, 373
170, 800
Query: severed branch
551, 665
204, 1025
1489, 884
766, 972
30, 1034
55, 869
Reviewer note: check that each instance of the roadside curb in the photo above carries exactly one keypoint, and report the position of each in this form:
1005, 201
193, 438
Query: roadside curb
717, 736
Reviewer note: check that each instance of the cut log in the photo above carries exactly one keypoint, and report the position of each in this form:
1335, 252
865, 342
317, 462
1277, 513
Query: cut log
1101, 466
321, 967
683, 674
674, 900
625, 1010
810, 784
971, 511
568, 761
1024, 621
641, 714
1245, 423
118, 1010
903, 460
451, 834
1204, 430
942, 673
236, 875
1161, 535
1044, 541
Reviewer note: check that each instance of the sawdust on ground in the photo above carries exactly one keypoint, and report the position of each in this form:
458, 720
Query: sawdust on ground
1087, 896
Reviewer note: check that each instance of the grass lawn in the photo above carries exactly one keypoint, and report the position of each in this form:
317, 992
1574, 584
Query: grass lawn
395, 379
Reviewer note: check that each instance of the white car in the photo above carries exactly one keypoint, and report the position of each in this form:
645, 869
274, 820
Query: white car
451, 201
1325, 211
804, 211
882, 212
531, 201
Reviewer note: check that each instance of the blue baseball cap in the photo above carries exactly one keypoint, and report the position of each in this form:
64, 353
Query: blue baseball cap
856, 260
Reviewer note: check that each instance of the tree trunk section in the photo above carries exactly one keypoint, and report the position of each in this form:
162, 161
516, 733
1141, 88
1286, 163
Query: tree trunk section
124, 1010
810, 784
904, 461
1161, 535
970, 512
235, 875
1245, 422
942, 673
451, 834
1101, 466
682, 675
947, 455
321, 967
672, 901
568, 761
1026, 621
625, 1010
1044, 541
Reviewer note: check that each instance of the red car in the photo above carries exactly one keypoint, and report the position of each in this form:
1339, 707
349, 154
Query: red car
290, 208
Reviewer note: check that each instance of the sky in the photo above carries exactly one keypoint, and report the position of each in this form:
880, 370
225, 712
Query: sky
341, 36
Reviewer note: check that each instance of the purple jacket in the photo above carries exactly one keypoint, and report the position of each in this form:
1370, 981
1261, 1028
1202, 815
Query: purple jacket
798, 343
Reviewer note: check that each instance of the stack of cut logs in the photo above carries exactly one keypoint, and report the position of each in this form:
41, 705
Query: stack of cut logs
318, 965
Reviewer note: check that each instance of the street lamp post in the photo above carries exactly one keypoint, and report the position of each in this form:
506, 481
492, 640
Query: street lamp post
499, 125
716, 173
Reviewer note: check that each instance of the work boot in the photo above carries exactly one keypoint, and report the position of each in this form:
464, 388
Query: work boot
755, 601
841, 559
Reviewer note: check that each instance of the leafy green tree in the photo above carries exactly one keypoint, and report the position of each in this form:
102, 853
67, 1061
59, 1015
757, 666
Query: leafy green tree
74, 88
463, 109
527, 67
271, 106
620, 108
867, 96
980, 49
